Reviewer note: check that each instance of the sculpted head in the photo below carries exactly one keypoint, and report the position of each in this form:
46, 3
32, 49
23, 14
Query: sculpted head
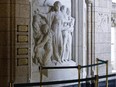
44, 28
57, 6
67, 11
63, 9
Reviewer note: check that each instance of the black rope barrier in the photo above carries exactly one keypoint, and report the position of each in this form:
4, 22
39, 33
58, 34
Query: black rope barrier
69, 67
63, 67
102, 60
60, 82
91, 65
69, 81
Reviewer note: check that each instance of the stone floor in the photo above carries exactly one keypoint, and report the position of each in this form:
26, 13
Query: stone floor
111, 83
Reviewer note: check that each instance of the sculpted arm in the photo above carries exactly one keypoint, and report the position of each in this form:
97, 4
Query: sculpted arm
44, 41
40, 39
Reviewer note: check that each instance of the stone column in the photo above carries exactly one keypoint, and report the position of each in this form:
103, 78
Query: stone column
89, 36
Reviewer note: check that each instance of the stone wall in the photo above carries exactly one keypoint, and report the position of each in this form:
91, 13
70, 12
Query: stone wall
103, 32
14, 19
4, 42
22, 55
98, 33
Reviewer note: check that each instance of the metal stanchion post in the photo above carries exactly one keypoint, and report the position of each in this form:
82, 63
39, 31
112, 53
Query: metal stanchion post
96, 77
79, 69
96, 80
10, 84
97, 66
106, 73
40, 76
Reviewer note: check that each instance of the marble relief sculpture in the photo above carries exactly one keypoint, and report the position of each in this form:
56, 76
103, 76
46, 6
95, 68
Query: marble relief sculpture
56, 27
43, 48
52, 34
71, 21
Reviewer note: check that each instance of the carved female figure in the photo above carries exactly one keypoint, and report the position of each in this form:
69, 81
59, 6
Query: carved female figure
70, 30
64, 32
56, 27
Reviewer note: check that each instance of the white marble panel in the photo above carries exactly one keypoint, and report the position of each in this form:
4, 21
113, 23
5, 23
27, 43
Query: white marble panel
102, 37
103, 48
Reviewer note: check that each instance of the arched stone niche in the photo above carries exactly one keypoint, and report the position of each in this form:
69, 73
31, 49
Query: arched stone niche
52, 28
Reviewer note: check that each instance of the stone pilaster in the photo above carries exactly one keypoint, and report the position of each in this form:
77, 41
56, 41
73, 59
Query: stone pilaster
79, 37
74, 7
22, 40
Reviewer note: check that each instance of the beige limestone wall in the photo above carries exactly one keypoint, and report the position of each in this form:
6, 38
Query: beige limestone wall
22, 18
13, 65
12, 13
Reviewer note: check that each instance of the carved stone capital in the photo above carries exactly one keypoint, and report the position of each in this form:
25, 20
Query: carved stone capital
88, 1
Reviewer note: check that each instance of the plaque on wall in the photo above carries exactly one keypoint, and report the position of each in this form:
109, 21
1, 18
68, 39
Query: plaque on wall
22, 38
22, 61
22, 51
22, 28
